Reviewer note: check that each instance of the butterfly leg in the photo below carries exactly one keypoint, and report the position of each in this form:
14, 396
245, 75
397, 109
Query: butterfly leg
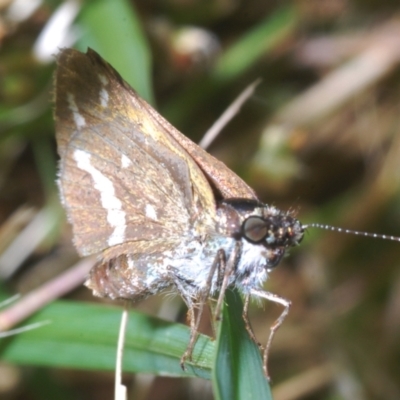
224, 272
247, 324
274, 327
227, 271
211, 308
203, 298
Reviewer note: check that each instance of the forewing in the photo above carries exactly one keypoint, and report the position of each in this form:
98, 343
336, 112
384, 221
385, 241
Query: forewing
122, 177
224, 181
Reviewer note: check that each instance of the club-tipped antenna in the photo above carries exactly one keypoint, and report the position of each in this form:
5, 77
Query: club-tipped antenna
352, 232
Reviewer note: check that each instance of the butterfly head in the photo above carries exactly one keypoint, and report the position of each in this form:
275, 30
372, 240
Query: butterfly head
265, 227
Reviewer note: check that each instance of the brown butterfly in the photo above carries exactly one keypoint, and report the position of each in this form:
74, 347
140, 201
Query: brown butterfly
160, 212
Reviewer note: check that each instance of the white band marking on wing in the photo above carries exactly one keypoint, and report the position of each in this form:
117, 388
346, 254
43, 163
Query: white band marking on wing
116, 217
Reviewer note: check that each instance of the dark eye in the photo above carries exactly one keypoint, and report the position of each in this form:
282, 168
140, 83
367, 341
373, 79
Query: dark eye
254, 229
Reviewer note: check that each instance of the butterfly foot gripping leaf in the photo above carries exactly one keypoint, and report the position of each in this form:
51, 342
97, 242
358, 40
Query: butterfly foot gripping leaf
159, 211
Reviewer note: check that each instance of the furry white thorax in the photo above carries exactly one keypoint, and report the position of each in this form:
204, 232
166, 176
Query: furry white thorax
192, 261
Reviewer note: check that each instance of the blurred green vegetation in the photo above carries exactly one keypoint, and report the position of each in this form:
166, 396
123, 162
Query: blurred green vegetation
319, 137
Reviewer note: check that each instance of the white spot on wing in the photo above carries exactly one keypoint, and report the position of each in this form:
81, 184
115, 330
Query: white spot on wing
151, 212
125, 161
104, 97
113, 206
103, 79
78, 118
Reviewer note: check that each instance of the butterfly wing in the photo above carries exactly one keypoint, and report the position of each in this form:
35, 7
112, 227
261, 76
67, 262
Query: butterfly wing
122, 177
223, 180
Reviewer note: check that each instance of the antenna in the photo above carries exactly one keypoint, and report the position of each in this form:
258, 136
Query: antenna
351, 232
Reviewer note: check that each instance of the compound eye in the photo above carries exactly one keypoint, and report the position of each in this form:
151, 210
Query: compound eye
255, 229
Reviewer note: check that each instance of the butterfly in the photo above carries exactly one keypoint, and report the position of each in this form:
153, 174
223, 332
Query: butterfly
158, 211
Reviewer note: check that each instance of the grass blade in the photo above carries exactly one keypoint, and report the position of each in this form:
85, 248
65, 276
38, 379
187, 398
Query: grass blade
84, 336
238, 372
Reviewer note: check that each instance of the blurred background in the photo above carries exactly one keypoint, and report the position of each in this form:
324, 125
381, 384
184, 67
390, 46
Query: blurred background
320, 136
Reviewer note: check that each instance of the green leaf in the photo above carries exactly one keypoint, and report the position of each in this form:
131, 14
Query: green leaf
238, 372
84, 336
256, 43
